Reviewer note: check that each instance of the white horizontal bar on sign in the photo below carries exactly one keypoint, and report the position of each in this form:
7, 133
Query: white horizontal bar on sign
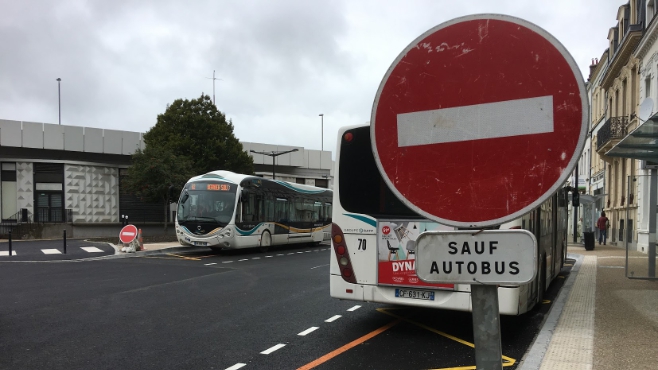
476, 122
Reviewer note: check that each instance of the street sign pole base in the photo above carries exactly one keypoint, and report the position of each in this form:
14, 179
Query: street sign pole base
486, 327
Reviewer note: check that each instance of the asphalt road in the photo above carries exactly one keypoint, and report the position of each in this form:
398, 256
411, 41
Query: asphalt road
48, 250
233, 310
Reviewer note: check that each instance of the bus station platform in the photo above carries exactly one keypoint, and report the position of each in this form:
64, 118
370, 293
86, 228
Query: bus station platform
601, 319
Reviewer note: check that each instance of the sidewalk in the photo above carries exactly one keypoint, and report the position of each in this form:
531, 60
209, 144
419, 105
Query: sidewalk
601, 320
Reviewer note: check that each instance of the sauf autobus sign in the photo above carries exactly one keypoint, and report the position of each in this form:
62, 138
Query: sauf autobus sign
472, 257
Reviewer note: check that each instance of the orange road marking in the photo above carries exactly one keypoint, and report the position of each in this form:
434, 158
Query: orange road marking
349, 346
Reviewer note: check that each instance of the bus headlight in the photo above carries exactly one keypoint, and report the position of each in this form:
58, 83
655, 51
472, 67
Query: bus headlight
226, 233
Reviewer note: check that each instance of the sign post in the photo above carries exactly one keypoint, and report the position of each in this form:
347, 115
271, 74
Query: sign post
128, 236
477, 122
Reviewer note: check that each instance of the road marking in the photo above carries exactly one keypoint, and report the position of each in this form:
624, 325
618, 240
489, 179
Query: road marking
272, 349
333, 318
319, 266
291, 253
349, 346
269, 256
210, 264
227, 262
280, 254
300, 252
91, 249
244, 259
256, 258
6, 253
354, 308
307, 251
183, 257
476, 122
236, 366
51, 251
309, 330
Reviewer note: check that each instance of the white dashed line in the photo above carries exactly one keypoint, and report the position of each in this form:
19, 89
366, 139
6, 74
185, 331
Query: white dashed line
227, 261
300, 252
51, 251
307, 251
269, 256
354, 308
319, 266
270, 350
244, 259
210, 264
309, 330
236, 366
280, 254
6, 253
333, 318
92, 249
290, 253
256, 258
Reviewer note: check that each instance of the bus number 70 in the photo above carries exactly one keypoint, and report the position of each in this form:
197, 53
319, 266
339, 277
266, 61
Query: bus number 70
362, 244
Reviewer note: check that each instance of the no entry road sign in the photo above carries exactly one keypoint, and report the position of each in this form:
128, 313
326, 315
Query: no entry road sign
128, 234
479, 120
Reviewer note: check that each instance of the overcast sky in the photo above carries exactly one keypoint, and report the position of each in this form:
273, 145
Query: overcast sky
281, 62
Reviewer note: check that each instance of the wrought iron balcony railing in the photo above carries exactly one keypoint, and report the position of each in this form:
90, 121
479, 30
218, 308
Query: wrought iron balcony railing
615, 128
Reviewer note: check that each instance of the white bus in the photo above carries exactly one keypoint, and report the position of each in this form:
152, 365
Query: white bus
374, 234
226, 210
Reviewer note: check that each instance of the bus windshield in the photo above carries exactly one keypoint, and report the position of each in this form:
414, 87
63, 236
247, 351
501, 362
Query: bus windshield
207, 201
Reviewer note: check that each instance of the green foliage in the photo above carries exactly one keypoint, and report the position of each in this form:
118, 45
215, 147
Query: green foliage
196, 130
154, 170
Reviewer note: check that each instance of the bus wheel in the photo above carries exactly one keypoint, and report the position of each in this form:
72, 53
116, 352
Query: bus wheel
265, 241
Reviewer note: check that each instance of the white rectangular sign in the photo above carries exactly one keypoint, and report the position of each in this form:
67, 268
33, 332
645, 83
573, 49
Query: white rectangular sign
476, 257
476, 122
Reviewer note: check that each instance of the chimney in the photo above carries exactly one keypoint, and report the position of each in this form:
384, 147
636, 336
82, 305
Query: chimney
592, 67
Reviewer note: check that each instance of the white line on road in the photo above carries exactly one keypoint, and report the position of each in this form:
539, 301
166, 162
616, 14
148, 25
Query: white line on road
309, 330
354, 308
51, 251
280, 254
300, 252
291, 253
91, 249
244, 259
476, 122
270, 350
236, 366
6, 253
333, 318
319, 266
269, 256
210, 264
307, 251
256, 258
227, 262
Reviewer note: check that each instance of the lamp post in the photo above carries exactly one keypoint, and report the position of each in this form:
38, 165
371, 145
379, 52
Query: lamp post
274, 154
321, 138
213, 86
59, 99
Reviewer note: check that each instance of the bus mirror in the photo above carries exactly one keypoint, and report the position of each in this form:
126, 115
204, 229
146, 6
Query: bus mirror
183, 199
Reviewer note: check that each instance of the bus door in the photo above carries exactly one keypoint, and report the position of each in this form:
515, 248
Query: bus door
301, 220
281, 221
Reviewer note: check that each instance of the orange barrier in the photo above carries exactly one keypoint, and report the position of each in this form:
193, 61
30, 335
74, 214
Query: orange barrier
141, 242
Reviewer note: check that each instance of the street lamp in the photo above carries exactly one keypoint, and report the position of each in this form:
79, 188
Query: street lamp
274, 154
213, 86
321, 138
59, 99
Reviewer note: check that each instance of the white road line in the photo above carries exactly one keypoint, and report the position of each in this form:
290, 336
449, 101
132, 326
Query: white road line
476, 122
269, 256
319, 266
290, 253
300, 252
280, 254
244, 259
256, 258
91, 249
227, 261
333, 318
6, 253
210, 264
354, 308
270, 350
236, 366
309, 330
307, 251
51, 251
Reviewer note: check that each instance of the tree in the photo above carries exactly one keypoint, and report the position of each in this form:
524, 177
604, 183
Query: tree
157, 174
197, 130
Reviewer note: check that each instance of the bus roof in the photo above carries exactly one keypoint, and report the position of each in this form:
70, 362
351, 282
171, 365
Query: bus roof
237, 178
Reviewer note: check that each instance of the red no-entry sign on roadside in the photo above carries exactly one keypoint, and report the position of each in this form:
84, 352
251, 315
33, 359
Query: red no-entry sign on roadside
479, 120
128, 234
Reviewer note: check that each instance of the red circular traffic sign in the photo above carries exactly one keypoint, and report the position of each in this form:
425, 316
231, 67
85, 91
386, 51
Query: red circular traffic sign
128, 233
479, 120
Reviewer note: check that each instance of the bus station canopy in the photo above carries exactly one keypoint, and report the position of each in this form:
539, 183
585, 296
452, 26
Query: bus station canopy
641, 143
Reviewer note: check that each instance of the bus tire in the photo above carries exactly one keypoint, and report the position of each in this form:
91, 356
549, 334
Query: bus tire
541, 283
265, 241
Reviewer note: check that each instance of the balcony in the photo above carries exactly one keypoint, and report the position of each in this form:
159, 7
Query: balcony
613, 130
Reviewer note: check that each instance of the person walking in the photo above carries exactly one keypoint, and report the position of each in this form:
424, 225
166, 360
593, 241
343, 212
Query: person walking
602, 225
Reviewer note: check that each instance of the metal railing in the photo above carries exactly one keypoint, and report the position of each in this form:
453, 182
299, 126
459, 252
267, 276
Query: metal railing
615, 128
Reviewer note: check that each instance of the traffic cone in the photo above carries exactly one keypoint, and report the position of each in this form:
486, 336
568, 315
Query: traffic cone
141, 242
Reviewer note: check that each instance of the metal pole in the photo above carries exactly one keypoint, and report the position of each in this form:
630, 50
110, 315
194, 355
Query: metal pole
486, 327
321, 137
64, 241
575, 209
10, 243
213, 87
628, 192
59, 99
653, 187
273, 157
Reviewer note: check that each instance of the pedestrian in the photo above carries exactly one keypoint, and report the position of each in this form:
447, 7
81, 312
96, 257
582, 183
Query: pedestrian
602, 224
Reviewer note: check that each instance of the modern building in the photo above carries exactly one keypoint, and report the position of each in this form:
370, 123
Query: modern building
68, 177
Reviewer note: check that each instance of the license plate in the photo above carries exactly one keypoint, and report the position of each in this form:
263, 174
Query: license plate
203, 244
414, 294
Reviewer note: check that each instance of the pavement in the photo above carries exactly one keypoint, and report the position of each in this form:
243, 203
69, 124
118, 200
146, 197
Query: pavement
602, 319
605, 317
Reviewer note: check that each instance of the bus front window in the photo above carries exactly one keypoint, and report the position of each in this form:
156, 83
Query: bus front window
204, 203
